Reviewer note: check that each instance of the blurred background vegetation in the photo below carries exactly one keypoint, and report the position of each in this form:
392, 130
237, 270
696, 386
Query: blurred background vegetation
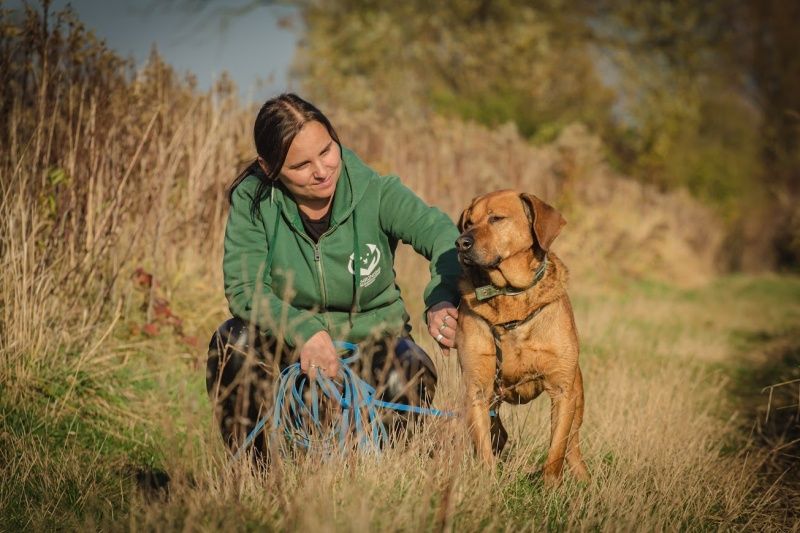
697, 95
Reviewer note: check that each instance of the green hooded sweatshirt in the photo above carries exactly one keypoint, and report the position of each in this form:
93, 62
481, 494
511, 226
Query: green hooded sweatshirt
279, 279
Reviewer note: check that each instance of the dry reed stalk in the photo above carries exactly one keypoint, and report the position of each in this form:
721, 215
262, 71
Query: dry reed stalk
71, 251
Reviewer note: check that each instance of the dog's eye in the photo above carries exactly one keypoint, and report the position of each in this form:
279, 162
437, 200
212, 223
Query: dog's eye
495, 218
467, 224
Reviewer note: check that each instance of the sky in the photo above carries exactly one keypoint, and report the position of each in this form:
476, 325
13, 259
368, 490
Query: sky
248, 38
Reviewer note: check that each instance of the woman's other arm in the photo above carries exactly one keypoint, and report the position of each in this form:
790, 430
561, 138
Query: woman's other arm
432, 234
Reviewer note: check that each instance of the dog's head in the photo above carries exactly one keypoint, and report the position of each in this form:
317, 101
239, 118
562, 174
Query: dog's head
502, 224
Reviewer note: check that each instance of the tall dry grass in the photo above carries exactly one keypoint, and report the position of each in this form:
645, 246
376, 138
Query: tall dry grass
105, 169
102, 169
661, 439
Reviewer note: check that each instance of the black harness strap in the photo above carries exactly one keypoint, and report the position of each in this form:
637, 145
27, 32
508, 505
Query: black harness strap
497, 331
487, 292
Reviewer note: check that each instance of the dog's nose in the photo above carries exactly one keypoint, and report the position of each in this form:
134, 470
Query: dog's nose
464, 242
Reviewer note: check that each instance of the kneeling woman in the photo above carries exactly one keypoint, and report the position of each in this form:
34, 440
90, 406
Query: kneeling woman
309, 251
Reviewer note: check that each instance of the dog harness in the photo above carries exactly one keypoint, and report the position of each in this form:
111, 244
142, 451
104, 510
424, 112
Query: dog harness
498, 330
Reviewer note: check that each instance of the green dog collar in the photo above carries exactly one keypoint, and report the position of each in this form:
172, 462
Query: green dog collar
488, 292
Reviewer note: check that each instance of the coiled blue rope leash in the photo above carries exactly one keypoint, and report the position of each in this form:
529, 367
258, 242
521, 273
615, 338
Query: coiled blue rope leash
298, 419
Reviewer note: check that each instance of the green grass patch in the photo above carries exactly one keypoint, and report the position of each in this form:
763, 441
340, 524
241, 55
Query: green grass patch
72, 449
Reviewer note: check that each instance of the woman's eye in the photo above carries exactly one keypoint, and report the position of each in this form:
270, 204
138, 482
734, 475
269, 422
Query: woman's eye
495, 218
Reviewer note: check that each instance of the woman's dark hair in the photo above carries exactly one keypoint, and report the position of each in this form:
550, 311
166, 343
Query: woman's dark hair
278, 122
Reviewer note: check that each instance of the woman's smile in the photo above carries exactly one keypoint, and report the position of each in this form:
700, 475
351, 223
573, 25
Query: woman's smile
323, 182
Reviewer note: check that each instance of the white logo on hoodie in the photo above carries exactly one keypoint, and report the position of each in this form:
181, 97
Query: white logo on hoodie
369, 269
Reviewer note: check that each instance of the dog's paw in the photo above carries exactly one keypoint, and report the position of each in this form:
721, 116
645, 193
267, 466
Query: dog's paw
542, 476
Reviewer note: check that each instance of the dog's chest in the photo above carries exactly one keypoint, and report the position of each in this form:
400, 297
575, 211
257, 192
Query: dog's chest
521, 366
517, 358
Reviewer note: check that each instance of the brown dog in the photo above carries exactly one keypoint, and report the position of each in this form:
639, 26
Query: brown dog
516, 334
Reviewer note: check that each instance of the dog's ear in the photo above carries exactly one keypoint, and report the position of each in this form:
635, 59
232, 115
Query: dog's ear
461, 219
546, 221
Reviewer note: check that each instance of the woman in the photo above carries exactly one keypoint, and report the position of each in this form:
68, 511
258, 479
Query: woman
309, 250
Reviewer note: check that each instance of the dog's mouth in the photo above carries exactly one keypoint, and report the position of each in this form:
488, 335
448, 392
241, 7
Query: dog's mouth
468, 259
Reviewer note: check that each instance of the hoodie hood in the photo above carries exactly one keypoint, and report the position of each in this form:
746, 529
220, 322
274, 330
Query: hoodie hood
354, 179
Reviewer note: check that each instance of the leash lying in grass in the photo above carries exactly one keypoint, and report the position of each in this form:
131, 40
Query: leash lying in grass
298, 417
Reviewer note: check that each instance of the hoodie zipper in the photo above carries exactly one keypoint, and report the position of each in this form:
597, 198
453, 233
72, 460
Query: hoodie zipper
320, 270
323, 290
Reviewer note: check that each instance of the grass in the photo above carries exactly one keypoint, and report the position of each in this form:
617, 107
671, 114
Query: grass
665, 437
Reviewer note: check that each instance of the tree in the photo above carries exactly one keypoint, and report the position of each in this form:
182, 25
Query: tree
493, 62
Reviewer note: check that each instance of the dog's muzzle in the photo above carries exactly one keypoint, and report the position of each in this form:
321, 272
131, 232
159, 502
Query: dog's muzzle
464, 245
464, 242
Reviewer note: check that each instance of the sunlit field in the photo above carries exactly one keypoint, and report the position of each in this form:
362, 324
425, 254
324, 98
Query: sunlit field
113, 201
667, 443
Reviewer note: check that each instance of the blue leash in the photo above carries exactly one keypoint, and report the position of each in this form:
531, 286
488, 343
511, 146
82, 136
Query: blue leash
298, 419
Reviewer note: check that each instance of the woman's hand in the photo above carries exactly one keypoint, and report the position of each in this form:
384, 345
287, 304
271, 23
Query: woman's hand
318, 353
442, 319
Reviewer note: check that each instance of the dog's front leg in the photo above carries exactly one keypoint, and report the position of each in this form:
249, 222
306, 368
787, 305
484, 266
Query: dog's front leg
479, 398
476, 355
562, 413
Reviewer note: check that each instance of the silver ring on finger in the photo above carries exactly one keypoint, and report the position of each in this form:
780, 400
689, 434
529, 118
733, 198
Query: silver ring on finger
439, 338
444, 320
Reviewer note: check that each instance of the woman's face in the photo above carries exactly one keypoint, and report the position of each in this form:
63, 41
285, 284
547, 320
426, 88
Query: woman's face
313, 164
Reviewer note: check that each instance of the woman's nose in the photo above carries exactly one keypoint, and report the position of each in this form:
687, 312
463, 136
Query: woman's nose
319, 169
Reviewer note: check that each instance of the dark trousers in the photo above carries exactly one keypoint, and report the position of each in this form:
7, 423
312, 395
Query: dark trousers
243, 365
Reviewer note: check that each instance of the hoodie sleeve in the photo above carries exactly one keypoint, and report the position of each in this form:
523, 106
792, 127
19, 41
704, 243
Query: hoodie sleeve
429, 231
247, 281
